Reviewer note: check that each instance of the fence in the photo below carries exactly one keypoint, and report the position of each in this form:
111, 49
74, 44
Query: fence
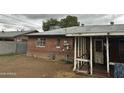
8, 47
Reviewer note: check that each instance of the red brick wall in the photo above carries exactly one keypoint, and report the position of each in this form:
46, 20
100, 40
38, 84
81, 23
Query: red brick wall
50, 47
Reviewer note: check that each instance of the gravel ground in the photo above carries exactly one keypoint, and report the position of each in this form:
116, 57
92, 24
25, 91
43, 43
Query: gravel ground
21, 66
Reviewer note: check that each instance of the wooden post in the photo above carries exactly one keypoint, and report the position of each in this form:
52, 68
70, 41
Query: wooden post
107, 53
78, 64
75, 48
78, 46
91, 57
81, 51
83, 46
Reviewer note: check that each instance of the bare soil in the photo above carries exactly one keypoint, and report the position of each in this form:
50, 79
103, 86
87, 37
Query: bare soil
21, 66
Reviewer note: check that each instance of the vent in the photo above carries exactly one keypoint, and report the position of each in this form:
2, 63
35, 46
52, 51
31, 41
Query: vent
2, 31
111, 23
82, 25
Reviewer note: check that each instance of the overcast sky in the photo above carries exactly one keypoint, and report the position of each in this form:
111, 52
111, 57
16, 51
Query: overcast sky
11, 22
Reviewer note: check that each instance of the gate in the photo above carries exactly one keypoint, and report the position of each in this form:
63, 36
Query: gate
21, 47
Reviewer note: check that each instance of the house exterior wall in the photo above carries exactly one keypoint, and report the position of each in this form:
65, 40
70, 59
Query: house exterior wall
50, 48
62, 52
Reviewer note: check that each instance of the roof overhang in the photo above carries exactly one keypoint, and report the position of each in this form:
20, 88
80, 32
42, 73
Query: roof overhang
97, 34
116, 33
45, 34
87, 34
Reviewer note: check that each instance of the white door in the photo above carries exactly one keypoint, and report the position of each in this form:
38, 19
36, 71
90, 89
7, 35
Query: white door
98, 51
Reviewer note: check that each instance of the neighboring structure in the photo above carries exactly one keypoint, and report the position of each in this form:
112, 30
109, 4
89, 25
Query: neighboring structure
13, 42
15, 35
52, 45
96, 47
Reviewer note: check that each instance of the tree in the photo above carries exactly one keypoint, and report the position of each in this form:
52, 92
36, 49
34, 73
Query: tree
69, 21
51, 22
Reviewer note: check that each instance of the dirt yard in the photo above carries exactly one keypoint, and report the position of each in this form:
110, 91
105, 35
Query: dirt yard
22, 66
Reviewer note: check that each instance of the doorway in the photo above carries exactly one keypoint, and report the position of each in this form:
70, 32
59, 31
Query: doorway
98, 51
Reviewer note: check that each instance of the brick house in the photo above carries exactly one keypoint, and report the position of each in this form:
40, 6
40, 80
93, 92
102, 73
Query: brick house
51, 44
95, 47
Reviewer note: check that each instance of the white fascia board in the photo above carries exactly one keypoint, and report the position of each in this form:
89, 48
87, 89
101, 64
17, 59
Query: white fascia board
116, 33
88, 34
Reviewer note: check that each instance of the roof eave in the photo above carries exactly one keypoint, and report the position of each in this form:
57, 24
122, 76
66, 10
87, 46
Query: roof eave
47, 35
87, 34
116, 33
97, 34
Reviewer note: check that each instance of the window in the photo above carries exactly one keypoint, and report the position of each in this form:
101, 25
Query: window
121, 49
66, 42
58, 43
41, 42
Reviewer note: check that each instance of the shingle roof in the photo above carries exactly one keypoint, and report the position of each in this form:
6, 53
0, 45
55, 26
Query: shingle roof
84, 29
12, 34
61, 31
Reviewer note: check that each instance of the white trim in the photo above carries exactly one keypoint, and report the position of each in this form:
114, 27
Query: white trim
96, 34
40, 46
75, 54
91, 56
84, 60
88, 34
78, 64
57, 46
78, 46
107, 53
81, 47
85, 47
112, 63
116, 33
81, 50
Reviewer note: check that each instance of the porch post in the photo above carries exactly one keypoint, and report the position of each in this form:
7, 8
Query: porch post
81, 51
107, 53
78, 46
81, 46
75, 48
91, 57
78, 65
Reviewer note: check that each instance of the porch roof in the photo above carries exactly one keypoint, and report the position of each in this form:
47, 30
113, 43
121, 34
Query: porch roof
98, 30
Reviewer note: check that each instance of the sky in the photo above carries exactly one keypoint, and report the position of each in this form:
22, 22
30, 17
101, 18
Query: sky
13, 22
